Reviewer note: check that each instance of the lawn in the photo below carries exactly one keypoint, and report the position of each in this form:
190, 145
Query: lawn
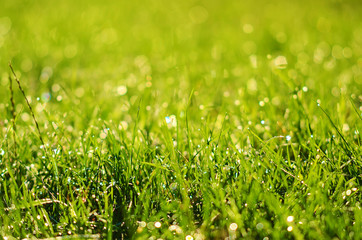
180, 119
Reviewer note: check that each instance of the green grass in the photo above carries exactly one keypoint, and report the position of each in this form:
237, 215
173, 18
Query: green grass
216, 119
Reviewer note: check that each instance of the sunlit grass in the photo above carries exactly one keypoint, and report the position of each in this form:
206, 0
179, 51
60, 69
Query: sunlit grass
181, 120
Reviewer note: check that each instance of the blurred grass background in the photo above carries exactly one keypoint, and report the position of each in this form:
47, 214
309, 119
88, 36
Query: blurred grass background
99, 42
76, 55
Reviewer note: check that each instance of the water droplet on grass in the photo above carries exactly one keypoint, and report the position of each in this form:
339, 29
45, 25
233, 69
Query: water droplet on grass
189, 237
233, 227
121, 90
103, 135
171, 121
259, 226
142, 224
46, 97
158, 224
280, 62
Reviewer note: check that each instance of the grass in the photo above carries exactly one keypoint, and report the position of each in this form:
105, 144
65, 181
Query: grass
180, 120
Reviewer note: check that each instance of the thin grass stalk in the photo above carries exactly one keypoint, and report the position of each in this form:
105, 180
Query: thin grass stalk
13, 115
30, 108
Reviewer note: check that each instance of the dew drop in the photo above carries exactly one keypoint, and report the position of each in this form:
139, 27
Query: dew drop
233, 227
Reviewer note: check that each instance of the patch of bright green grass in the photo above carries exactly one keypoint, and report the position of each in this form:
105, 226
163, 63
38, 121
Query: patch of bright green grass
181, 120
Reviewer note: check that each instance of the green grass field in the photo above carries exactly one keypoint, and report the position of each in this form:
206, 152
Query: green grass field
181, 119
